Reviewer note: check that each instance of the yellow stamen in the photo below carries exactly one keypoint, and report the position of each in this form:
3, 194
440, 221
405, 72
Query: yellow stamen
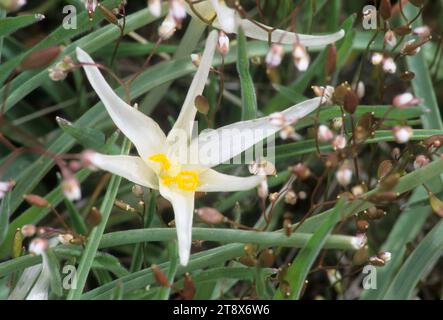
161, 158
187, 180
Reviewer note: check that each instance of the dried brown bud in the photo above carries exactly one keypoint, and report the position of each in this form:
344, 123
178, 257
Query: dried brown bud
248, 261
202, 104
94, 217
388, 183
435, 141
35, 200
40, 58
266, 258
374, 213
350, 101
159, 276
376, 261
407, 75
362, 225
385, 9
210, 215
383, 196
331, 60
188, 292
403, 30
340, 93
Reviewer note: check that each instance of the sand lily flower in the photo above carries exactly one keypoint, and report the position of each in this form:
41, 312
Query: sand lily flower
161, 165
229, 21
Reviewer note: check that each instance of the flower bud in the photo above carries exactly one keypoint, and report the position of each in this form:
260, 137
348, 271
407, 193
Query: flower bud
35, 200
38, 246
344, 175
94, 217
188, 291
331, 59
389, 65
390, 38
90, 5
359, 89
6, 186
300, 171
155, 7
71, 188
201, 104
273, 196
302, 195
403, 30
405, 100
384, 255
61, 69
385, 9
301, 57
350, 101
28, 230
362, 225
324, 134
291, 197
376, 261
402, 134
167, 28
275, 55
277, 119
337, 123
266, 258
422, 31
376, 58
420, 161
40, 58
223, 43
339, 142
159, 276
210, 215
177, 11
413, 46
196, 59
374, 213
66, 238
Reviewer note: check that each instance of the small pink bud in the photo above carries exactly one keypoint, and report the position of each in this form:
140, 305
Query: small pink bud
390, 38
38, 246
274, 56
405, 100
177, 11
196, 59
71, 188
210, 215
422, 31
389, 65
420, 161
344, 175
339, 142
324, 134
301, 57
28, 230
402, 134
223, 43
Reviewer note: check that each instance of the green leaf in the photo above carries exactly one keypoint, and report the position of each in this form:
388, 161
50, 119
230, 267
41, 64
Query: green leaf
12, 24
88, 137
76, 219
299, 269
248, 97
417, 266
4, 217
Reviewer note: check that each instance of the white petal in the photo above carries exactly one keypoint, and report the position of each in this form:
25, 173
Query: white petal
183, 205
285, 37
213, 181
144, 132
187, 114
40, 290
227, 18
233, 139
25, 282
132, 168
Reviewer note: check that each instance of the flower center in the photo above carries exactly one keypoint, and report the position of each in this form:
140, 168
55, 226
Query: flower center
185, 179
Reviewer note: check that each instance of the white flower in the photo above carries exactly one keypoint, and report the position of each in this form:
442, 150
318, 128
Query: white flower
389, 65
229, 21
402, 134
160, 164
155, 7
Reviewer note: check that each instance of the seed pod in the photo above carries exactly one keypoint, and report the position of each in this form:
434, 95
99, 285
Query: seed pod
35, 200
188, 291
40, 58
94, 217
388, 183
266, 258
374, 213
159, 276
17, 244
383, 196
384, 168
210, 215
360, 256
385, 9
202, 104
108, 14
123, 206
248, 261
350, 101
436, 205
331, 60
403, 30
362, 225
407, 75
376, 261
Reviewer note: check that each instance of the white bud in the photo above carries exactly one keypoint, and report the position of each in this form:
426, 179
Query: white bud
405, 100
389, 65
71, 189
337, 123
390, 38
38, 246
324, 134
301, 57
360, 89
359, 241
196, 59
422, 31
223, 43
376, 58
90, 5
420, 161
155, 7
167, 28
177, 10
302, 195
344, 175
402, 134
28, 230
274, 56
339, 142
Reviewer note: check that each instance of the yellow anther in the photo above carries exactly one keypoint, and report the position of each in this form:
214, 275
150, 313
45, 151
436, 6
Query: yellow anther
187, 180
161, 158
